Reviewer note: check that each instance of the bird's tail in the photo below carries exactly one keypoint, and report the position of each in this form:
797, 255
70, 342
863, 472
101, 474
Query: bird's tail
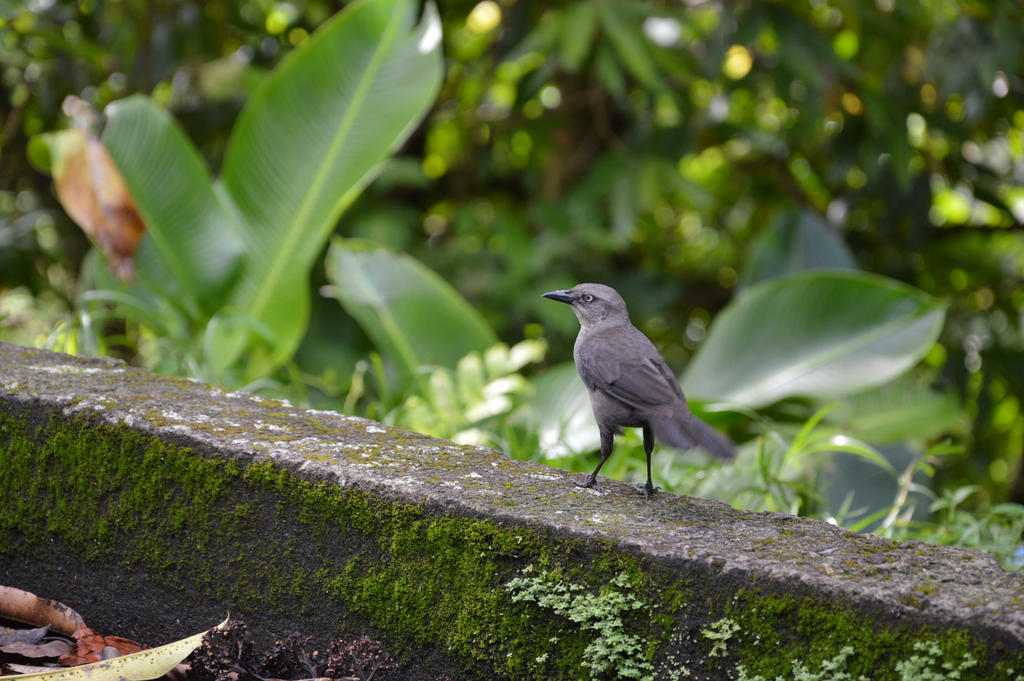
689, 432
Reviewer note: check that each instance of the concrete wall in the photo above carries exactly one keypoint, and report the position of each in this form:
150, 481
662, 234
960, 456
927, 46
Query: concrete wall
152, 505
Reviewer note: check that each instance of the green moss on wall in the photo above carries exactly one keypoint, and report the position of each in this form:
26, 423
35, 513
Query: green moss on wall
774, 630
425, 577
257, 536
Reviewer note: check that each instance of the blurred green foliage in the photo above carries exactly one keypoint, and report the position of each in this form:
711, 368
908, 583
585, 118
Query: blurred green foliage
229, 257
677, 152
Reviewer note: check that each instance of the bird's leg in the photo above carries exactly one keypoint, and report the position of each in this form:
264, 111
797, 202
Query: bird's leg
607, 441
649, 488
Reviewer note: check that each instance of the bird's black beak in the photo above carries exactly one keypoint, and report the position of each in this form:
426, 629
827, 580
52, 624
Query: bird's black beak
560, 296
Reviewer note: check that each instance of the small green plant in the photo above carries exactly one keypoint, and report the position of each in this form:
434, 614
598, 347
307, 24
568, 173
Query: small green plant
927, 664
993, 528
612, 648
471, 403
720, 632
832, 669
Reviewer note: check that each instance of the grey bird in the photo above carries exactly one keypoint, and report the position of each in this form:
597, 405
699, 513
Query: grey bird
629, 383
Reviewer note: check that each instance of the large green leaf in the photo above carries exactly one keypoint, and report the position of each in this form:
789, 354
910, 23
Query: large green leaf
312, 136
192, 243
908, 407
798, 240
413, 316
817, 334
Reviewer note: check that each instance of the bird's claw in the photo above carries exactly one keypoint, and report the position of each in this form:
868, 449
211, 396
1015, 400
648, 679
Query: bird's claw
647, 490
589, 483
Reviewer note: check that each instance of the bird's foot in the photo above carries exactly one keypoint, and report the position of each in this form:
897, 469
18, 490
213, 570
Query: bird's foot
647, 490
589, 483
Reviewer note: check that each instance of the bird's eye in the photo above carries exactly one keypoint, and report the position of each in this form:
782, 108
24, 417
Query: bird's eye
588, 298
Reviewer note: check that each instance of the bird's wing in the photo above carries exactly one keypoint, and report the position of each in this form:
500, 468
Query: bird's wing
642, 381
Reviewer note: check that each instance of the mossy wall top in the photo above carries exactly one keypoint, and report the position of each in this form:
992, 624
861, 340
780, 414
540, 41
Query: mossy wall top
121, 487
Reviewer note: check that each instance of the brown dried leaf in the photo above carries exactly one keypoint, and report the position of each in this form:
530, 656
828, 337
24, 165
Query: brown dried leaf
90, 647
23, 635
94, 194
23, 606
13, 668
34, 650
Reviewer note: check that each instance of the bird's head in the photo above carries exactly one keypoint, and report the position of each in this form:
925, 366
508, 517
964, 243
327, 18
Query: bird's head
594, 304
